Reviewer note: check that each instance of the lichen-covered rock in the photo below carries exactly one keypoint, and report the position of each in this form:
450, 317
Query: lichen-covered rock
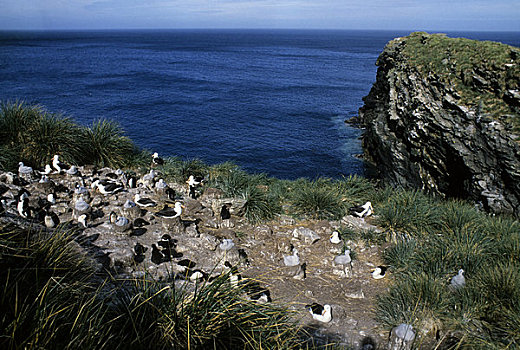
444, 125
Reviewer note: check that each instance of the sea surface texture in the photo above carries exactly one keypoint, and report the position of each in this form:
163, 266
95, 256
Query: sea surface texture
272, 101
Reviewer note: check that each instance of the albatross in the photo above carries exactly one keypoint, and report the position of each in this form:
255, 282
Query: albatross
24, 169
334, 237
292, 260
58, 165
362, 211
144, 202
106, 186
171, 213
156, 160
322, 313
458, 281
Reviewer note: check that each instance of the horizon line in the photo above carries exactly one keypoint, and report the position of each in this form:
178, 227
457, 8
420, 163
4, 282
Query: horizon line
251, 29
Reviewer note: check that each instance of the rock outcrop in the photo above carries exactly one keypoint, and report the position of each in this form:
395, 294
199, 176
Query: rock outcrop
444, 115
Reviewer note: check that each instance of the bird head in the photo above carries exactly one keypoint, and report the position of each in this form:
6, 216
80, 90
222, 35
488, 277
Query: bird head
326, 308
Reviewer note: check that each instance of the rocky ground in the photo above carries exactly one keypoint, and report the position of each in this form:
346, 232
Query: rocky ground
197, 235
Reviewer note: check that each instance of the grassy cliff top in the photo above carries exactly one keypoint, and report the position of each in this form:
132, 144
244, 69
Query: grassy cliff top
485, 74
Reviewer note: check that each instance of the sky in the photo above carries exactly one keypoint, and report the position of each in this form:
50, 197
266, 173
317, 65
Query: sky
428, 15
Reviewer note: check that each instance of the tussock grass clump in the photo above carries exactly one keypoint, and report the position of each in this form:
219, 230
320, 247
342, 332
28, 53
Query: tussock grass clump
259, 206
8, 157
414, 299
367, 236
482, 314
15, 119
234, 182
400, 256
48, 135
410, 212
53, 298
178, 170
316, 200
34, 136
354, 190
104, 144
47, 292
256, 189
213, 316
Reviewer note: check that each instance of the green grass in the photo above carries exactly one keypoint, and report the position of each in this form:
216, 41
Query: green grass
105, 145
260, 206
178, 170
367, 236
316, 200
47, 283
482, 315
55, 297
34, 136
408, 212
454, 61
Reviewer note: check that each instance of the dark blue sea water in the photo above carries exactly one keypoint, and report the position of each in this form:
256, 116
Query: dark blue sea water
272, 101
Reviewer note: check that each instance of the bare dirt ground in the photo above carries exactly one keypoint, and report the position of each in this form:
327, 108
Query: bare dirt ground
352, 299
198, 233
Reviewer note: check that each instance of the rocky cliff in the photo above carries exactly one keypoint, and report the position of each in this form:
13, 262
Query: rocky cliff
444, 116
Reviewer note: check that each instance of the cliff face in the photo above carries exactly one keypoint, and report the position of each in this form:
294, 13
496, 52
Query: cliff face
444, 115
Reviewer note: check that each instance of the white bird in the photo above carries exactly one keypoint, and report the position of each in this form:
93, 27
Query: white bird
59, 166
47, 169
131, 181
362, 211
405, 332
129, 204
192, 182
301, 272
292, 260
458, 281
161, 184
81, 191
81, 206
51, 199
171, 213
149, 179
72, 170
346, 261
107, 187
196, 275
51, 219
343, 259
156, 160
234, 275
334, 237
82, 219
226, 244
144, 202
320, 313
122, 223
379, 272
23, 206
112, 217
24, 169
44, 179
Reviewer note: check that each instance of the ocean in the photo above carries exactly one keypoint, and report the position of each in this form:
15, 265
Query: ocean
271, 101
